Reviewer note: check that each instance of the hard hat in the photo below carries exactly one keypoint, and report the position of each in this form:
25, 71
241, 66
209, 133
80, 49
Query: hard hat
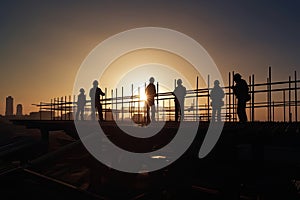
237, 76
216, 82
151, 80
179, 81
95, 83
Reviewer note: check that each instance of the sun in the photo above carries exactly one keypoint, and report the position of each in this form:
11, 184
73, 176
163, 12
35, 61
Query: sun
143, 96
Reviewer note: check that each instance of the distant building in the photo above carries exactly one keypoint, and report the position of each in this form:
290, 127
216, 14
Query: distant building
41, 115
19, 110
9, 106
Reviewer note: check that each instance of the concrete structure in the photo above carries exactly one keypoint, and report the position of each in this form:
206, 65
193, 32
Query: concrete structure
9, 106
41, 115
19, 110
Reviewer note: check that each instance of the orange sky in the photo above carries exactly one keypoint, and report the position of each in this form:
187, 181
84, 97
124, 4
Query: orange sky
44, 44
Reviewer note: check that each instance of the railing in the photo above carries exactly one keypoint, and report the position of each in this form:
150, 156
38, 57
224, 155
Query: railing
278, 101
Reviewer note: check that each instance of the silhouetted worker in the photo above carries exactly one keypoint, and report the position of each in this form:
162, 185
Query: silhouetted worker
241, 92
179, 92
216, 95
150, 93
95, 93
81, 101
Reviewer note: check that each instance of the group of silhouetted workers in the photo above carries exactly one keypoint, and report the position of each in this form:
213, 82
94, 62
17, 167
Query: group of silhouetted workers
240, 90
94, 94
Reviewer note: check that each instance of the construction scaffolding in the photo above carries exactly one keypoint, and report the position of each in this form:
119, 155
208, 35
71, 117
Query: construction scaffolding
270, 101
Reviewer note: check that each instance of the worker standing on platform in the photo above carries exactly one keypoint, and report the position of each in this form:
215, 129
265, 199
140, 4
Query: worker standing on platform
241, 91
216, 95
150, 93
81, 101
179, 93
95, 93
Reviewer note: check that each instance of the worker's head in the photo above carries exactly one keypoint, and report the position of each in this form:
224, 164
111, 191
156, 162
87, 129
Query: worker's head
216, 82
237, 77
95, 83
81, 90
151, 80
179, 82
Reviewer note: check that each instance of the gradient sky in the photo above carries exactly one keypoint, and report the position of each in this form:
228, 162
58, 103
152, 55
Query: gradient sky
43, 43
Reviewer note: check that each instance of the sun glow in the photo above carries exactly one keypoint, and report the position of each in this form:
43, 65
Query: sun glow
143, 96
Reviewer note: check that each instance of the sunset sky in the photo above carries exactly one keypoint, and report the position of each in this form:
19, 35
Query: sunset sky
43, 43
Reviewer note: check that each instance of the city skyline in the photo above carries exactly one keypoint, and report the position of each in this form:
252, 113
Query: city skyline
9, 107
44, 44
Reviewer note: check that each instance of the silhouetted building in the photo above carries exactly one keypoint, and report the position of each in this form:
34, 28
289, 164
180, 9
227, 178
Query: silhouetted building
9, 106
19, 110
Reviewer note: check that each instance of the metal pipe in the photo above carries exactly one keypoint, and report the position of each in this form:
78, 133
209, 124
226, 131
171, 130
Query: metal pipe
139, 105
40, 110
61, 107
73, 102
105, 102
57, 107
145, 104
273, 114
270, 88
253, 100
233, 101
112, 101
131, 110
193, 105
268, 101
51, 110
117, 115
250, 81
169, 110
208, 114
65, 104
54, 108
296, 102
197, 96
157, 93
284, 119
229, 95
290, 117
70, 107
122, 104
